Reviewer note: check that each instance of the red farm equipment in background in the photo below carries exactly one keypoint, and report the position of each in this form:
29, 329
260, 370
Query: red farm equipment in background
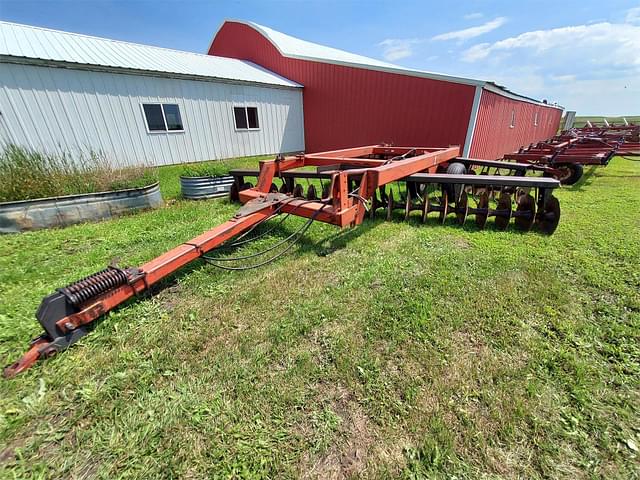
354, 183
628, 132
565, 155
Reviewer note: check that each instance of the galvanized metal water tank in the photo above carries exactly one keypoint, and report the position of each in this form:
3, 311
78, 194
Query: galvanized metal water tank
196, 188
62, 211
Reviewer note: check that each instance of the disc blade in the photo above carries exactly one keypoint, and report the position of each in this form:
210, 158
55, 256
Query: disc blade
504, 209
426, 206
407, 205
390, 205
444, 203
298, 191
462, 208
483, 204
234, 193
325, 190
311, 193
525, 213
375, 203
548, 220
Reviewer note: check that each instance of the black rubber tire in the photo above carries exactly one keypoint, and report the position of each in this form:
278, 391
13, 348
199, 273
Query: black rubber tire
576, 171
455, 168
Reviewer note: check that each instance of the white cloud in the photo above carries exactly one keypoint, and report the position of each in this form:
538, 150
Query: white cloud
472, 32
563, 78
611, 96
397, 48
590, 68
601, 44
473, 16
524, 80
633, 15
477, 52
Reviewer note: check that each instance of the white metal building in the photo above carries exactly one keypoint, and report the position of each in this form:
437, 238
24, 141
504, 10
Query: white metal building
137, 104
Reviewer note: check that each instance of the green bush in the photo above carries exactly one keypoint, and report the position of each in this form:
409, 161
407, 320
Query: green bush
27, 174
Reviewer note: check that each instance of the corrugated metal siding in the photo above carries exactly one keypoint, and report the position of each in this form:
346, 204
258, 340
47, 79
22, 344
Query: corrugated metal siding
57, 109
493, 136
53, 45
346, 106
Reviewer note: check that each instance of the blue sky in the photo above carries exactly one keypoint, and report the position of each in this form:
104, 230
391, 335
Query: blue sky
584, 55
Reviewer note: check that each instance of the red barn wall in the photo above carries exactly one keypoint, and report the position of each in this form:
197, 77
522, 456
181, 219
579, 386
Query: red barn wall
346, 106
493, 136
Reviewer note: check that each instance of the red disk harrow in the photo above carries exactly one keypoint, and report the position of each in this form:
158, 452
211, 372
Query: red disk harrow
355, 183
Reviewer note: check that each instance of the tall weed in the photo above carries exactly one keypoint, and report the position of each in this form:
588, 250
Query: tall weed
27, 174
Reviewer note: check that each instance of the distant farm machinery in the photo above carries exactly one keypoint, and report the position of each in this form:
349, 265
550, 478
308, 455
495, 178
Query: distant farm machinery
356, 183
565, 155
627, 132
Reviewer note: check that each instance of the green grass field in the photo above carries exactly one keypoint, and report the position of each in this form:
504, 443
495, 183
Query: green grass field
395, 349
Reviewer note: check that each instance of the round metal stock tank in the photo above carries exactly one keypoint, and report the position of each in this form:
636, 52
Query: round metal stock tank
62, 211
196, 188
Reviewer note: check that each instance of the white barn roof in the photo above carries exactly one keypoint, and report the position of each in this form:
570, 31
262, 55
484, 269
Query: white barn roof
26, 43
296, 48
292, 47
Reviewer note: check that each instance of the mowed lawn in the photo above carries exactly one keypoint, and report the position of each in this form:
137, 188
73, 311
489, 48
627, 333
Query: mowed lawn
395, 349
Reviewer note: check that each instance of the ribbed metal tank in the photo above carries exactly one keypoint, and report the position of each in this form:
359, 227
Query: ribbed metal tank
62, 211
197, 188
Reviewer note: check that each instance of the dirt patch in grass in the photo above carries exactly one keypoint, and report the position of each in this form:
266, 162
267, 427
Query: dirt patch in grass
8, 454
349, 451
460, 242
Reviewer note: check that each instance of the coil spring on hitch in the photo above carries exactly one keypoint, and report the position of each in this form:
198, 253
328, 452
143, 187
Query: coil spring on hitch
94, 285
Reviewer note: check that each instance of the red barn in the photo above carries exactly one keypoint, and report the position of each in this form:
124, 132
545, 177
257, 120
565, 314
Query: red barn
350, 99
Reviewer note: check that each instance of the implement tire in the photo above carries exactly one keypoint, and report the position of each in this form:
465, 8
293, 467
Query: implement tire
453, 190
570, 173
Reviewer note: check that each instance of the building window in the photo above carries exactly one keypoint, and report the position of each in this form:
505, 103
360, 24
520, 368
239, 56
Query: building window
246, 118
513, 119
535, 120
252, 116
172, 117
163, 117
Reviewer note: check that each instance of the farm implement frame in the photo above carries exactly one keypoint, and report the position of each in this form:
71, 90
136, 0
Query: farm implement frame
356, 186
565, 155
628, 132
